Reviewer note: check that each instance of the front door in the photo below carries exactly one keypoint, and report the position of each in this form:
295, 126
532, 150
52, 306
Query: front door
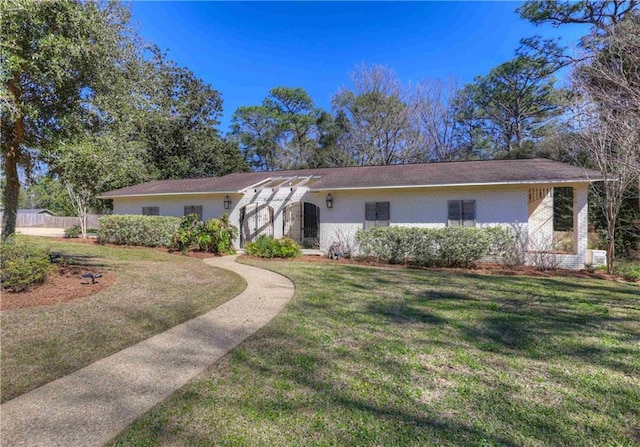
302, 223
256, 219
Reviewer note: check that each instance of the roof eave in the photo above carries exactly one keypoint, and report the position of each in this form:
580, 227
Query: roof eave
160, 194
347, 188
450, 185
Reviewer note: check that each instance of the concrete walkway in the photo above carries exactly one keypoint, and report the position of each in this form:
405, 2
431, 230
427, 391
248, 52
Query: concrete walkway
37, 231
94, 404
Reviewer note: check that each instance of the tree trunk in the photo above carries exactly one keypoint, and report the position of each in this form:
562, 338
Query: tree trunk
11, 191
83, 222
11, 156
611, 246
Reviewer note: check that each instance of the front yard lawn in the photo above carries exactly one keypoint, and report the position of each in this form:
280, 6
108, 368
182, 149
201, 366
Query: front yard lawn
394, 356
153, 292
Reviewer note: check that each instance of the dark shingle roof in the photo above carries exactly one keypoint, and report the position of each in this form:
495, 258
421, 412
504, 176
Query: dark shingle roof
486, 172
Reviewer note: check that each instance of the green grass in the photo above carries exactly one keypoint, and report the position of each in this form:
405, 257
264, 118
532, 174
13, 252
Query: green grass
153, 292
368, 356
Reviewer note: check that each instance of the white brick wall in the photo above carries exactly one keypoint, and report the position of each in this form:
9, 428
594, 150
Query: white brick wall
212, 204
425, 207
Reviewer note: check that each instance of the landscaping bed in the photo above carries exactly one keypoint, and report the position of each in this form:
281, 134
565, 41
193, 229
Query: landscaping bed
64, 284
483, 268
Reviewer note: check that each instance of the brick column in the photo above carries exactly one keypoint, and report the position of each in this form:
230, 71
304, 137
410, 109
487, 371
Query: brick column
540, 219
580, 224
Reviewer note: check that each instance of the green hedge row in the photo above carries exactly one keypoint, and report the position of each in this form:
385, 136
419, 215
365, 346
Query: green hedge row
146, 231
23, 265
432, 247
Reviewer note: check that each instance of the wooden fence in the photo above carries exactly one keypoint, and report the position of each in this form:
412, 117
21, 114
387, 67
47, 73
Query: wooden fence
46, 221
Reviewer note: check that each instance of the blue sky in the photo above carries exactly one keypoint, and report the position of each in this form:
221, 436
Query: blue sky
243, 49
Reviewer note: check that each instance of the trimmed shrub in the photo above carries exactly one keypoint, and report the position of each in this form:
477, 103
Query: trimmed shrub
145, 231
268, 247
432, 247
73, 232
287, 248
23, 265
264, 247
212, 236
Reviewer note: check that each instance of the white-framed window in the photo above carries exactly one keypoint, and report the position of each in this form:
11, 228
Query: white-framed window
150, 211
461, 213
376, 214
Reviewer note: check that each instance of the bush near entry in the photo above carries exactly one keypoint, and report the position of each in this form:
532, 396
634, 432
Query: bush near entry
268, 247
211, 236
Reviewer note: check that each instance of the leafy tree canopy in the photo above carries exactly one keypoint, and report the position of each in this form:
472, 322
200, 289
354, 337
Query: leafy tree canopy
281, 132
49, 193
602, 14
179, 124
514, 103
56, 57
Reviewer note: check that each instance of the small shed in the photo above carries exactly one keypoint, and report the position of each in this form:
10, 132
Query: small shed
36, 211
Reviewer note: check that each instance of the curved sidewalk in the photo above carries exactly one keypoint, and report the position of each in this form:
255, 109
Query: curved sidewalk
91, 406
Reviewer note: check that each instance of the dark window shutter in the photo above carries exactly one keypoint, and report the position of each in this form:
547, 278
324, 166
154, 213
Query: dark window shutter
383, 211
454, 213
370, 211
469, 213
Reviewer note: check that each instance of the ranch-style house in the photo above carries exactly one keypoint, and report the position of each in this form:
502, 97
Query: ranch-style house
318, 207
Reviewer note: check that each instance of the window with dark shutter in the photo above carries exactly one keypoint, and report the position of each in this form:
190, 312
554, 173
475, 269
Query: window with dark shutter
193, 209
454, 213
468, 213
150, 211
461, 213
383, 212
376, 214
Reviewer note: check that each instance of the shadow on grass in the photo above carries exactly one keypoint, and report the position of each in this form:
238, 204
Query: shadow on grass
511, 319
540, 328
401, 313
87, 261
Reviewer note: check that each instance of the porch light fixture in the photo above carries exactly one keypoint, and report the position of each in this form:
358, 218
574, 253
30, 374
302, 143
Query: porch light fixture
329, 201
227, 203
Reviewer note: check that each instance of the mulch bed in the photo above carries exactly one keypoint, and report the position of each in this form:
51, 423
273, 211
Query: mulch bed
64, 284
